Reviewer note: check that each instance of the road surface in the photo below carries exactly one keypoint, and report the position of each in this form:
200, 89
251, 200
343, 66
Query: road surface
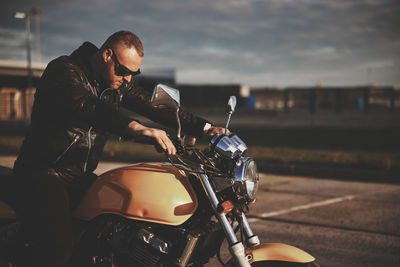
341, 223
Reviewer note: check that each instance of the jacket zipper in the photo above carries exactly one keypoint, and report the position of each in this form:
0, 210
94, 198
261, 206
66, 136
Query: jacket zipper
89, 148
90, 137
66, 150
105, 90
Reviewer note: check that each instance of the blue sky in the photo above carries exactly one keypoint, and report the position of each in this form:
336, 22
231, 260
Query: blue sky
251, 42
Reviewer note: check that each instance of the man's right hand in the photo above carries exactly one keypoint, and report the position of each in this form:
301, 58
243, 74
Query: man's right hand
160, 136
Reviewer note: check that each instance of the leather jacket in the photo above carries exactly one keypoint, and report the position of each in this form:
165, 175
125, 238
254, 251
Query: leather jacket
72, 117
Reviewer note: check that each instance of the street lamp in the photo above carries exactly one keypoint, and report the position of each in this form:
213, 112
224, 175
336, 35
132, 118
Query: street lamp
25, 16
19, 15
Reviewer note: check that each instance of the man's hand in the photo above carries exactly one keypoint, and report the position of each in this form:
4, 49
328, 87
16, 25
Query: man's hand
214, 130
160, 136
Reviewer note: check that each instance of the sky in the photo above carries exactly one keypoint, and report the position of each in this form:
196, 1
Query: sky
251, 42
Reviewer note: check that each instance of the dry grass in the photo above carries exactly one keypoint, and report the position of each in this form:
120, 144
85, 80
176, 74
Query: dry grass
342, 158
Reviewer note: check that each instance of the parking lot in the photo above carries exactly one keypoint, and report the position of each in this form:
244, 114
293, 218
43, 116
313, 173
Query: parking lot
341, 223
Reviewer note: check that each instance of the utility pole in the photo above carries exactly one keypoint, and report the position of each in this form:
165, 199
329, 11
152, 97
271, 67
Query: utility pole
36, 12
25, 16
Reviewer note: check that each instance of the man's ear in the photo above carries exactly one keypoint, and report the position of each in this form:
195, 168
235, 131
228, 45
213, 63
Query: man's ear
106, 55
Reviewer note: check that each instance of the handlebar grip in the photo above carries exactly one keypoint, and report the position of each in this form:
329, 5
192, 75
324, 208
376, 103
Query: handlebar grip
178, 145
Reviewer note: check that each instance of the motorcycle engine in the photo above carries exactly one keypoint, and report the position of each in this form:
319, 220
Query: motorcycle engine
117, 242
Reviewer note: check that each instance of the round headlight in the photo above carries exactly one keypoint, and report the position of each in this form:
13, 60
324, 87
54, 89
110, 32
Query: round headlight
246, 178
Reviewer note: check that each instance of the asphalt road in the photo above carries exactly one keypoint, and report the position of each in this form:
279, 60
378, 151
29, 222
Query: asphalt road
341, 223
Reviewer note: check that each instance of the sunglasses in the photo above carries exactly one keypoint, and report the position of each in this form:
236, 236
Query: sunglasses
121, 70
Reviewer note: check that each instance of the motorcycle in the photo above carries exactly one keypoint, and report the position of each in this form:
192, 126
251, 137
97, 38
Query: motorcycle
174, 213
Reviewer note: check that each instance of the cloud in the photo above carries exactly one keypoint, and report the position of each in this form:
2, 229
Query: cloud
271, 41
322, 52
205, 51
374, 65
10, 33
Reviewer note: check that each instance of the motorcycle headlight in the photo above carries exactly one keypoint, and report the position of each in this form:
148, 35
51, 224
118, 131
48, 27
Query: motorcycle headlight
246, 178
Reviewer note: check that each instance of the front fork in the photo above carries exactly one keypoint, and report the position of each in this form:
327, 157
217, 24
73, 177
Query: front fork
236, 248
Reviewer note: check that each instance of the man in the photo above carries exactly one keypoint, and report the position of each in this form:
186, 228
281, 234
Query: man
75, 108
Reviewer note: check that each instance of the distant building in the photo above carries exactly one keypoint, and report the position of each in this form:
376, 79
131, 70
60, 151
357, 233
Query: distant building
321, 99
151, 77
207, 96
15, 99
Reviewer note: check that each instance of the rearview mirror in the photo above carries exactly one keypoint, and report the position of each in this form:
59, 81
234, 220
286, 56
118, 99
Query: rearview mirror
165, 96
230, 108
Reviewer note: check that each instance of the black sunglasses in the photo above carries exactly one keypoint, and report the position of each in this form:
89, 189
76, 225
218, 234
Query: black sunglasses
121, 70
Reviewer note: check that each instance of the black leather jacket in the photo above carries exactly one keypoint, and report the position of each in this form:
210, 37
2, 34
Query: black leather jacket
72, 117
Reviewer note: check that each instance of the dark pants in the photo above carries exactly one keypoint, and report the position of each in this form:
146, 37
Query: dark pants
44, 208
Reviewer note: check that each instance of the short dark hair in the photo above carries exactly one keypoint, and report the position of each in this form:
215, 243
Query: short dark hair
127, 38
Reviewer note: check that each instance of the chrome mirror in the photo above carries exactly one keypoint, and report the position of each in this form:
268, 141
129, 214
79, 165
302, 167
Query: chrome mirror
230, 108
167, 97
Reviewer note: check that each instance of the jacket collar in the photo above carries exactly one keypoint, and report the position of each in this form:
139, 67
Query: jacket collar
82, 57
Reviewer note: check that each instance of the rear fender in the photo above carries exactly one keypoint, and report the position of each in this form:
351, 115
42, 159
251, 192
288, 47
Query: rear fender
276, 252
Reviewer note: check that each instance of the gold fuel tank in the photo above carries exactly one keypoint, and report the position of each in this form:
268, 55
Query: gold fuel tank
153, 192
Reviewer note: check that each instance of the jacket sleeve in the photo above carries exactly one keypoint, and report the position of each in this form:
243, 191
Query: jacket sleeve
76, 97
138, 100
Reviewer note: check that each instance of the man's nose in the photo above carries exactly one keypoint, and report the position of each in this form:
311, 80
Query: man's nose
128, 78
